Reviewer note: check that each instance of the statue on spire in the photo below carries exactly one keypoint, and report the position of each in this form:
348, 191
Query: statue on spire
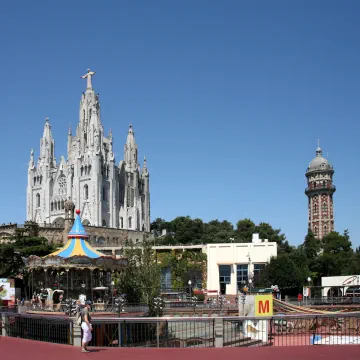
88, 76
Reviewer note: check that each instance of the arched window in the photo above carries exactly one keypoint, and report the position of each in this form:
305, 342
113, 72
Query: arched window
86, 169
52, 206
324, 207
104, 193
103, 222
82, 171
55, 204
38, 200
89, 169
121, 223
62, 204
86, 192
59, 205
84, 114
325, 229
130, 222
90, 112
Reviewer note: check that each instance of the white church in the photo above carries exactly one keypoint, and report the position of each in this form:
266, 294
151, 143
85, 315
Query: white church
109, 195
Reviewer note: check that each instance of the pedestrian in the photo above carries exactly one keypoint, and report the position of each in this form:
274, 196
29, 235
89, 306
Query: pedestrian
86, 326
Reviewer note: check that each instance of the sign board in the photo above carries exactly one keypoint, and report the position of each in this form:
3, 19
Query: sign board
263, 305
7, 289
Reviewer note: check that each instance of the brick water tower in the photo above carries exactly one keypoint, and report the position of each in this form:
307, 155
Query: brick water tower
320, 190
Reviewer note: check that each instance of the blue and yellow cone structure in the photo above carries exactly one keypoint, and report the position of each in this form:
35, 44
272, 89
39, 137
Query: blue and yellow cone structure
77, 244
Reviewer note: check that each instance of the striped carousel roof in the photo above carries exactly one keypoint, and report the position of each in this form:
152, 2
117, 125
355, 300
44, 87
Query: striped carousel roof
77, 244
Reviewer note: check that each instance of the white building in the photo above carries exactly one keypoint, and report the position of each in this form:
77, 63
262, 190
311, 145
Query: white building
108, 194
337, 286
232, 265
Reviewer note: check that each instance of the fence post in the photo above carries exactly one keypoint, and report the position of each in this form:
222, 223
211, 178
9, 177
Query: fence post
76, 333
3, 328
219, 332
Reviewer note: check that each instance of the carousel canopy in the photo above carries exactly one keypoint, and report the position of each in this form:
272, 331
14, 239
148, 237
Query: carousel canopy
77, 244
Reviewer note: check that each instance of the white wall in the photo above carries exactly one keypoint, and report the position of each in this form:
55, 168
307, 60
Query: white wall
234, 254
334, 281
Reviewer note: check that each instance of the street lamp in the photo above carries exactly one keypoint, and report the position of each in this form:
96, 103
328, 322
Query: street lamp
112, 293
250, 282
189, 283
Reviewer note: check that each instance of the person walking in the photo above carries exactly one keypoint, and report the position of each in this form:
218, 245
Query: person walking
86, 326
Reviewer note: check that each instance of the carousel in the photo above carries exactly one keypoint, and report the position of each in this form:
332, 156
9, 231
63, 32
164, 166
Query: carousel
76, 271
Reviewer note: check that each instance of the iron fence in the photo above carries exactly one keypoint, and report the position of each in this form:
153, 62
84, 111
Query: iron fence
153, 332
325, 300
41, 328
182, 332
293, 330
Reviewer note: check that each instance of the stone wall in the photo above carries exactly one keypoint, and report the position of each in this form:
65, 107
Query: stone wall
98, 236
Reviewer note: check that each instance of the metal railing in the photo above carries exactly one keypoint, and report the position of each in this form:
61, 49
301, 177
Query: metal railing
325, 300
182, 332
293, 330
41, 328
153, 332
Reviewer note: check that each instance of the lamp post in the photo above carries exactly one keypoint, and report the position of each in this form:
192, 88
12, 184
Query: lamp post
309, 290
250, 282
190, 292
112, 293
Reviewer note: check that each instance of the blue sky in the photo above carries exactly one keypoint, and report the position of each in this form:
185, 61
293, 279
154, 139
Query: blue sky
227, 99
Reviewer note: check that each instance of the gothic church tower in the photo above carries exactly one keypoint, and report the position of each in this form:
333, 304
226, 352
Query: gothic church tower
320, 190
107, 194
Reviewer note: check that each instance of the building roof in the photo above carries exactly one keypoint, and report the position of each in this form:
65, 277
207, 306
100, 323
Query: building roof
77, 244
319, 163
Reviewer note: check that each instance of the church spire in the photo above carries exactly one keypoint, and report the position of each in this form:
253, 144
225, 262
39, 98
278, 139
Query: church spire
47, 145
130, 150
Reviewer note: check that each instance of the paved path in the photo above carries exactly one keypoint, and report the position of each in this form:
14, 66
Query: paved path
18, 349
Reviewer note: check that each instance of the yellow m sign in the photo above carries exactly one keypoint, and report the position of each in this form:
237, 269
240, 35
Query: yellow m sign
263, 305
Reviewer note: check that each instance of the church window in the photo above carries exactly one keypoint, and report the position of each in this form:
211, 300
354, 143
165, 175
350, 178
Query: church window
35, 180
103, 222
59, 205
130, 222
86, 169
62, 185
86, 192
55, 203
52, 206
38, 200
104, 193
62, 204
324, 207
84, 114
90, 112
82, 171
40, 179
89, 169
121, 222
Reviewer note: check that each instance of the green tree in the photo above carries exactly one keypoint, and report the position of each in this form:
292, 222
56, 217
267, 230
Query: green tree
337, 255
282, 271
21, 246
244, 230
11, 263
311, 246
140, 280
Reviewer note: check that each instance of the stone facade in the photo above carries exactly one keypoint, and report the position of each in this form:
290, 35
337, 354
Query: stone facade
320, 190
108, 240
108, 195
